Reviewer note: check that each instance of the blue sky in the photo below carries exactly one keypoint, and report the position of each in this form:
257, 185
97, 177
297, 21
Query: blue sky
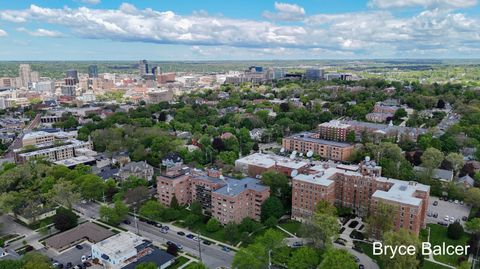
237, 30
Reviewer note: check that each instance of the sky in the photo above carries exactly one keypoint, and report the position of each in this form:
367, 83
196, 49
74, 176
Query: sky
238, 29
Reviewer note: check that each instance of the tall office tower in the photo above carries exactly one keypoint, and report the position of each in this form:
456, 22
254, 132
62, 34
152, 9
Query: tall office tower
93, 71
143, 67
72, 75
314, 74
25, 73
34, 76
155, 71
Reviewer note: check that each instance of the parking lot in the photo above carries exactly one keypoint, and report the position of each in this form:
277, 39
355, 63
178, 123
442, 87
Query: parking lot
72, 255
445, 208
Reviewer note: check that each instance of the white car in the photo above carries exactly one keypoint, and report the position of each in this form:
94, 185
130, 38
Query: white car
447, 218
195, 238
84, 258
452, 219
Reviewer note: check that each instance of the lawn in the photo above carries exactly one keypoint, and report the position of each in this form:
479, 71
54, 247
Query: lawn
291, 225
178, 262
431, 265
438, 235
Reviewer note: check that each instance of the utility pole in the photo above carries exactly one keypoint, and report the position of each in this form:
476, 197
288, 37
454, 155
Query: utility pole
135, 219
199, 248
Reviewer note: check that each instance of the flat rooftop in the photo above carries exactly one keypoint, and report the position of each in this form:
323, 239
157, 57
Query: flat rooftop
309, 137
88, 231
268, 160
401, 192
237, 186
75, 161
334, 123
119, 245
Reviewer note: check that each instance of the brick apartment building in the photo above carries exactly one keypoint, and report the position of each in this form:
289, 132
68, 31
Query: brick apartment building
225, 199
361, 188
258, 163
333, 130
310, 141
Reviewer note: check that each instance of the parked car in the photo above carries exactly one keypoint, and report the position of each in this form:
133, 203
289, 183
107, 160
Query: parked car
429, 214
84, 258
450, 201
87, 264
163, 231
464, 218
180, 247
456, 201
360, 266
226, 249
461, 202
165, 227
297, 244
169, 243
356, 258
447, 218
128, 222
79, 246
340, 242
180, 233
435, 203
195, 238
190, 236
452, 219
435, 215
69, 265
159, 225
206, 242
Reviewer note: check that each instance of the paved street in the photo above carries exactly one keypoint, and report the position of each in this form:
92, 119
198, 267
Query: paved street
212, 256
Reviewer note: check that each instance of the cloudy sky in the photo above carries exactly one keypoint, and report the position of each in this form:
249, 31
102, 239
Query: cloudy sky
238, 29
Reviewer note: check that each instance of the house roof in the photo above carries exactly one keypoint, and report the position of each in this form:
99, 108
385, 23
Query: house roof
89, 231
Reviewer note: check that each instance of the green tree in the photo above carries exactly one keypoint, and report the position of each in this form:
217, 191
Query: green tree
213, 225
456, 160
304, 258
472, 196
254, 256
232, 234
351, 136
196, 265
431, 159
65, 219
455, 230
380, 220
114, 215
92, 187
322, 226
398, 238
64, 193
473, 225
279, 185
337, 259
174, 202
153, 210
272, 207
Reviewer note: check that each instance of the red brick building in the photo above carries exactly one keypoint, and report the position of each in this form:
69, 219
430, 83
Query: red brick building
333, 130
360, 188
258, 163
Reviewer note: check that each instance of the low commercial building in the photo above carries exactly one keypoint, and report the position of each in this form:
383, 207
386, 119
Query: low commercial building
310, 141
125, 250
41, 137
258, 163
52, 151
361, 188
86, 231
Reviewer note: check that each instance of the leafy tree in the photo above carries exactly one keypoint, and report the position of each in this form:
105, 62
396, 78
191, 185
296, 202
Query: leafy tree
91, 186
322, 226
431, 159
271, 239
153, 210
136, 195
65, 219
11, 264
473, 225
272, 207
64, 193
218, 144
351, 136
213, 225
196, 208
455, 230
398, 238
304, 258
472, 196
191, 220
456, 160
381, 220
174, 202
337, 259
271, 222
232, 233
400, 113
35, 260
254, 256
279, 185
249, 225
114, 215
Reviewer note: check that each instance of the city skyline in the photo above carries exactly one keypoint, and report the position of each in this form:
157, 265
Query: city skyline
238, 30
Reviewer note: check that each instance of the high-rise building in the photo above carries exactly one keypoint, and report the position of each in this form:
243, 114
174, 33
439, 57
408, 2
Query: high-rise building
25, 74
34, 77
45, 86
93, 71
143, 67
314, 74
155, 70
71, 75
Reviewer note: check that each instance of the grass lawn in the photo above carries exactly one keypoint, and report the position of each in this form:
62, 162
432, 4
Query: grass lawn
291, 225
178, 262
438, 235
201, 228
431, 265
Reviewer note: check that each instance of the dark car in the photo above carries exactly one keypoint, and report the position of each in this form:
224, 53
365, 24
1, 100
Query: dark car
181, 233
297, 244
169, 243
435, 203
165, 227
356, 258
151, 222
226, 249
435, 215
87, 264
69, 265
79, 246
190, 236
128, 222
340, 242
206, 242
360, 266
464, 218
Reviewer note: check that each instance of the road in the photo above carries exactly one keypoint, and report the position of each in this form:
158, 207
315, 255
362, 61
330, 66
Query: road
213, 256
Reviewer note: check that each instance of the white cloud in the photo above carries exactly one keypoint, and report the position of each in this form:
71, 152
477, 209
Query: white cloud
285, 12
91, 2
3, 33
41, 32
374, 33
386, 4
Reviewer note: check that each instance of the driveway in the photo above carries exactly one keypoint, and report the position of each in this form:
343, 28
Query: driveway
445, 208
